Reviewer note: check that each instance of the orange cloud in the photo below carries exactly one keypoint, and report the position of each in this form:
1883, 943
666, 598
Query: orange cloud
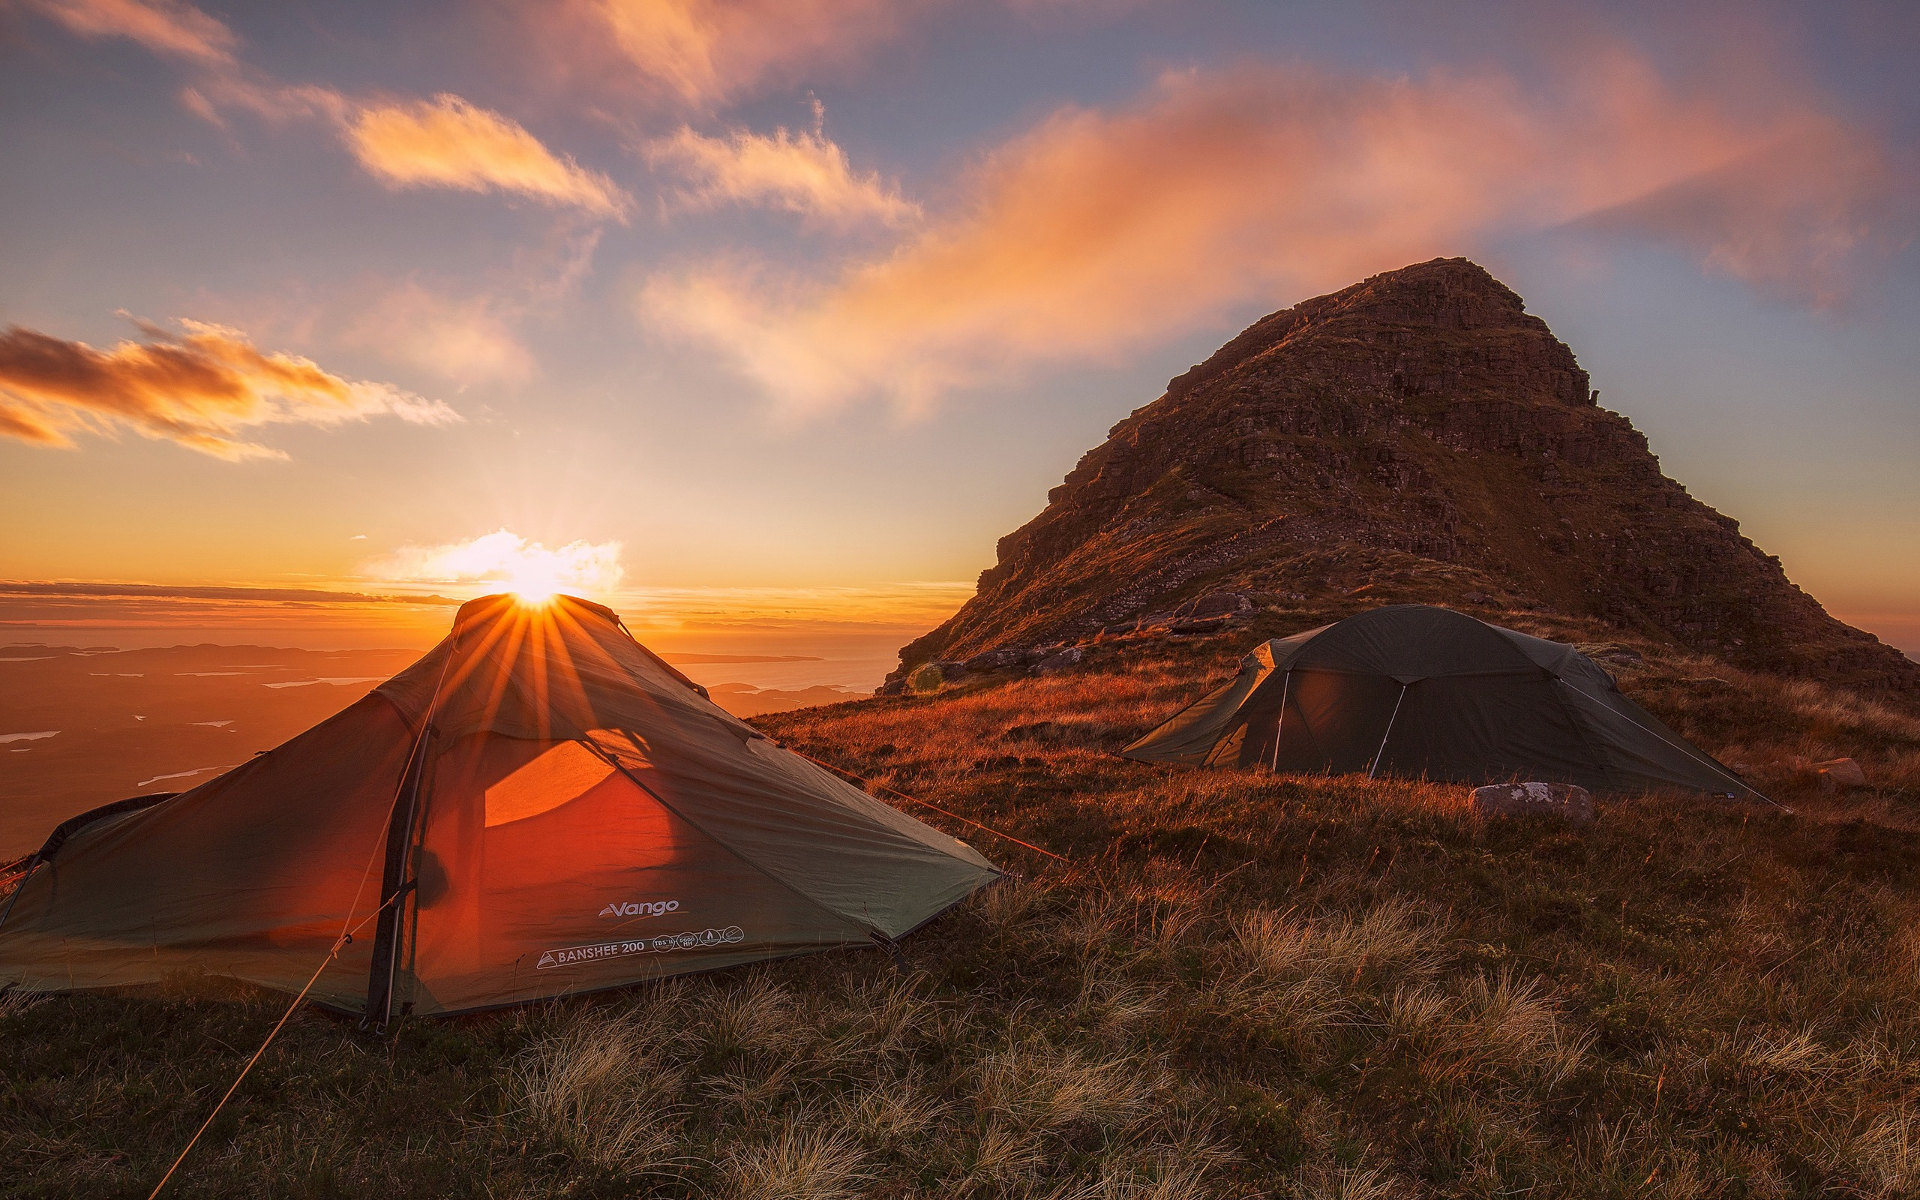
443, 142
1100, 230
804, 173
703, 51
199, 390
163, 26
447, 142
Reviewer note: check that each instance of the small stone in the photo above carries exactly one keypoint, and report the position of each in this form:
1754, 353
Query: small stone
1613, 653
1840, 774
1476, 598
1571, 802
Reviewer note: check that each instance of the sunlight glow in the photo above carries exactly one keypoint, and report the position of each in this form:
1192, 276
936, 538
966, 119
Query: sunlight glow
533, 591
505, 560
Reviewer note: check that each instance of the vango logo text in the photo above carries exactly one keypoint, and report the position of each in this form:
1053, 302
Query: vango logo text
640, 908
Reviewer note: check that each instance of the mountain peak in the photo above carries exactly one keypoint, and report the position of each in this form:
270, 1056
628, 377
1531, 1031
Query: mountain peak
1419, 434
1452, 295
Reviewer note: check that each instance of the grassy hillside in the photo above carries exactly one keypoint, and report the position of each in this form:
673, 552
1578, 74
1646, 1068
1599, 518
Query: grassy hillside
1240, 985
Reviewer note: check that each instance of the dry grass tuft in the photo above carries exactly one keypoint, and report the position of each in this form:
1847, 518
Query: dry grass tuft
605, 1089
14, 1001
796, 1164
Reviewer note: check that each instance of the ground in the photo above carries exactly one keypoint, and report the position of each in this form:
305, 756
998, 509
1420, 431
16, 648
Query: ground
1236, 984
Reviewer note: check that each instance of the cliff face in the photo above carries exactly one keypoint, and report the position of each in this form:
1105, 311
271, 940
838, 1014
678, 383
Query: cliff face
1418, 428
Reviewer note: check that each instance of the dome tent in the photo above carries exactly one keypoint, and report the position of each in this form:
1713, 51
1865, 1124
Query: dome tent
1414, 691
539, 806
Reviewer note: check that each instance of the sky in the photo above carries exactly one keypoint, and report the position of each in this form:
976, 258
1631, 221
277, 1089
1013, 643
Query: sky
765, 319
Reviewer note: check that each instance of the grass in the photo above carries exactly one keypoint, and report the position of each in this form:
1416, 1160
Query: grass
1240, 985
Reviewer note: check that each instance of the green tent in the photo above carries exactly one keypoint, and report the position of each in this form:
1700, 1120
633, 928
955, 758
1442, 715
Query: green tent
539, 806
1418, 692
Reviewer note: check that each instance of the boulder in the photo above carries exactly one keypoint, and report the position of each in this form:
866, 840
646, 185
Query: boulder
951, 671
892, 687
1840, 774
997, 660
927, 677
1059, 660
1150, 624
1218, 606
1568, 801
1199, 626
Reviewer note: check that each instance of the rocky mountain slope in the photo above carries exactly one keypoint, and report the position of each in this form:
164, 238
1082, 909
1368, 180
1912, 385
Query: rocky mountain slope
1418, 435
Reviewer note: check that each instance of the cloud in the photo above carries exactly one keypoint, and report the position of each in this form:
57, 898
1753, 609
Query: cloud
19, 587
464, 339
1795, 217
447, 142
505, 559
704, 51
802, 173
163, 26
199, 389
1098, 231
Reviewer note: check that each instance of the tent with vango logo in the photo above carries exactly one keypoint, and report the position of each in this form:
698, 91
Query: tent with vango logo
539, 806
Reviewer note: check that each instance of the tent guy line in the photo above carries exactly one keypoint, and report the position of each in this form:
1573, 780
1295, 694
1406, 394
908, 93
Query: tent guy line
865, 782
347, 930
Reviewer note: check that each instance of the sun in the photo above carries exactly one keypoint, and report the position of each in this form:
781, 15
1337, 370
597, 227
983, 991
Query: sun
534, 582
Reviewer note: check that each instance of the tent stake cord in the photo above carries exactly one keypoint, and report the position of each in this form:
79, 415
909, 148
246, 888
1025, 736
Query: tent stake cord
347, 930
924, 804
1375, 765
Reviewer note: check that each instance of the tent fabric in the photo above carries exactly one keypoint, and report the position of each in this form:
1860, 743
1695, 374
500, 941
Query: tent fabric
1415, 691
585, 818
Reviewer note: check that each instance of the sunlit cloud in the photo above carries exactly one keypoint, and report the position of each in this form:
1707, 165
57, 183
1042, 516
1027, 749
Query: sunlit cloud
804, 173
704, 51
1101, 230
445, 142
448, 142
162, 26
200, 389
465, 339
505, 560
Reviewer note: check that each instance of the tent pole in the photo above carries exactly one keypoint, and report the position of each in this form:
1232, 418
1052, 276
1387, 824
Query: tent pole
1286, 682
1375, 765
393, 886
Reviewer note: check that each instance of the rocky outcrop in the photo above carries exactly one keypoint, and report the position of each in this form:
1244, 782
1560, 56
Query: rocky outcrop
1419, 427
